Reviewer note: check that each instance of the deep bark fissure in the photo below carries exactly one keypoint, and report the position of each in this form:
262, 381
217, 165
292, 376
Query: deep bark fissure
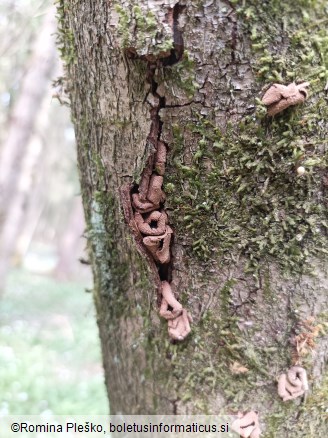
164, 268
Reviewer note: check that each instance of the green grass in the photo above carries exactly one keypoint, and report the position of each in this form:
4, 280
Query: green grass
50, 357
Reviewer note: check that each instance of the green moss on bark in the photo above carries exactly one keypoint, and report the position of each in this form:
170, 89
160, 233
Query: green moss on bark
240, 196
140, 32
182, 75
243, 182
65, 37
251, 198
294, 50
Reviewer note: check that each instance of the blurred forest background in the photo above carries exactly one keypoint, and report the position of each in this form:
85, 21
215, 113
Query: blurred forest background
50, 358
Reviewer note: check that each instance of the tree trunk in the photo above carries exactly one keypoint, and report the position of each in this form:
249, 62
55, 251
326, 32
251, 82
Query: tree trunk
19, 155
36, 80
250, 231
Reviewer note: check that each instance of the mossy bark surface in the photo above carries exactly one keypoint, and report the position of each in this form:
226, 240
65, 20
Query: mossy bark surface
250, 234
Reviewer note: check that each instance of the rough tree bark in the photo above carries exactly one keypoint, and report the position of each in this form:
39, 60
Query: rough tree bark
250, 232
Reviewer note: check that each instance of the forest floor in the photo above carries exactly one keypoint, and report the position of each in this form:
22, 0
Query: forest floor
50, 359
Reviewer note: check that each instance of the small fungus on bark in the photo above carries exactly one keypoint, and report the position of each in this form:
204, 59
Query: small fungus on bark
159, 246
160, 158
155, 193
293, 384
155, 196
177, 317
247, 425
179, 327
170, 307
279, 97
153, 225
142, 206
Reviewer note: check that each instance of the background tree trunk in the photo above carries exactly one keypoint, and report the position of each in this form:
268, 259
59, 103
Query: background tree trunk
19, 155
250, 235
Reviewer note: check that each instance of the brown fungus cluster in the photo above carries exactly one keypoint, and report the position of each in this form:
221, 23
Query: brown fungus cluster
143, 204
150, 220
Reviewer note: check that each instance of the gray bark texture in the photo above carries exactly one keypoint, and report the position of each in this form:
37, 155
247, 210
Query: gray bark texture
250, 231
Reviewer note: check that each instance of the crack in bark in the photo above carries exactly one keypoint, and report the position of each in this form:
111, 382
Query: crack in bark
232, 17
141, 200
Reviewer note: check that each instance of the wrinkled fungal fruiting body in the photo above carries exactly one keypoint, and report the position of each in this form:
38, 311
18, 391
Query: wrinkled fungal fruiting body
247, 425
170, 307
279, 97
151, 221
293, 384
147, 225
179, 327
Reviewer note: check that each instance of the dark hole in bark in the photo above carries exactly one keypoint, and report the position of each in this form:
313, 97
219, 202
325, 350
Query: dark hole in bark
163, 272
135, 188
178, 46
